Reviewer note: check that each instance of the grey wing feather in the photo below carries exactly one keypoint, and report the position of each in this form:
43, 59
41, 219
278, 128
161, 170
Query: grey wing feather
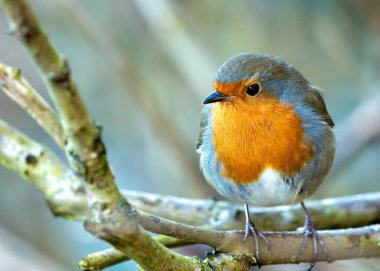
205, 114
315, 100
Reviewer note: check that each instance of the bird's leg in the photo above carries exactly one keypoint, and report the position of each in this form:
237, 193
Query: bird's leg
250, 229
311, 232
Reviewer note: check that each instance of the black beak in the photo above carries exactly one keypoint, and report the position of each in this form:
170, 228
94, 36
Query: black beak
215, 97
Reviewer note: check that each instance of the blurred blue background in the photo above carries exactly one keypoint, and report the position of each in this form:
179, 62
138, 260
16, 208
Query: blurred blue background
143, 68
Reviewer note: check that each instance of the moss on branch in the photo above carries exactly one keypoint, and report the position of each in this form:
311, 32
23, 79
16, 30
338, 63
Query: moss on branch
40, 167
106, 258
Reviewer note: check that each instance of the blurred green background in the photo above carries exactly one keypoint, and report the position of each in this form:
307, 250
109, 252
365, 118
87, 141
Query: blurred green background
143, 68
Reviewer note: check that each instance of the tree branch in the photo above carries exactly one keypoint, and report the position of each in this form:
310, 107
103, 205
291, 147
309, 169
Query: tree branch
232, 242
19, 90
119, 227
106, 258
83, 144
40, 167
332, 213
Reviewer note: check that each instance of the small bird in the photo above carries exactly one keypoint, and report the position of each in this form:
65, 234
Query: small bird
265, 138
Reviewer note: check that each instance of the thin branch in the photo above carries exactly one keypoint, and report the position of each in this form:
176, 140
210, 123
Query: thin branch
102, 259
341, 212
84, 146
341, 244
18, 89
106, 258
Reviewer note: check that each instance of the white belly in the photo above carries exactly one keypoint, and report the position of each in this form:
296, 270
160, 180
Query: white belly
269, 190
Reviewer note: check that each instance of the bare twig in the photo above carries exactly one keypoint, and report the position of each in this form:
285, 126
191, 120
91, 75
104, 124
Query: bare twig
19, 90
332, 213
106, 258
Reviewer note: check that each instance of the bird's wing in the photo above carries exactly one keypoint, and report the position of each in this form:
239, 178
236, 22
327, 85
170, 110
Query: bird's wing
314, 100
205, 114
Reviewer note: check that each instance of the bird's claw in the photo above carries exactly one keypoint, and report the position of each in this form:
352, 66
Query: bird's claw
312, 264
311, 232
250, 229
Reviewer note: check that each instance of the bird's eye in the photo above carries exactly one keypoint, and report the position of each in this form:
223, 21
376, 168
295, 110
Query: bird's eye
253, 90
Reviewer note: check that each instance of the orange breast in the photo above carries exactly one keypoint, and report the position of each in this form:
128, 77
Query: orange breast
249, 138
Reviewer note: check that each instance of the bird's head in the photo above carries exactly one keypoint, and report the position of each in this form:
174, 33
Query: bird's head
248, 79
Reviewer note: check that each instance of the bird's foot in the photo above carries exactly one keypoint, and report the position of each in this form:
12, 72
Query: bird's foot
250, 229
310, 232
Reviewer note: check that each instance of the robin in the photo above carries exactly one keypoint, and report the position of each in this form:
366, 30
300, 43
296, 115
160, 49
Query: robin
266, 138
